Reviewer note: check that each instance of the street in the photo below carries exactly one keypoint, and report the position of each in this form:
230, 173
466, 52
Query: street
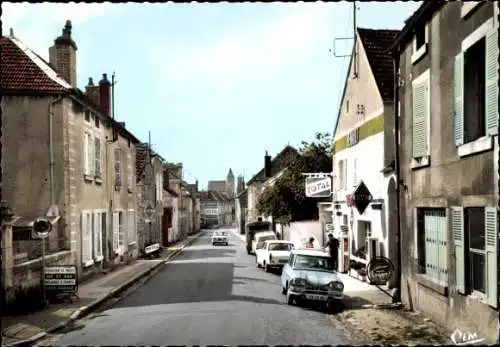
207, 296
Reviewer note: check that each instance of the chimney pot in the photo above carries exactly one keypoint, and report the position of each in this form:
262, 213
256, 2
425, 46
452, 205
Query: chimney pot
11, 32
91, 82
67, 29
105, 96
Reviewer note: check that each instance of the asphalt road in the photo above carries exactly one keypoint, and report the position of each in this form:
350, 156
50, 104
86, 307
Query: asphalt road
209, 295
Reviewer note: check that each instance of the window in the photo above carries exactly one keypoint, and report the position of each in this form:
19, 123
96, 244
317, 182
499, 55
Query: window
475, 91
421, 117
129, 172
97, 235
121, 230
86, 232
355, 172
347, 106
118, 177
432, 250
344, 174
87, 116
475, 239
420, 41
97, 158
131, 226
97, 121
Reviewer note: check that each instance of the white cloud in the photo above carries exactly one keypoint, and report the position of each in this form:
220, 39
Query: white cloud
263, 48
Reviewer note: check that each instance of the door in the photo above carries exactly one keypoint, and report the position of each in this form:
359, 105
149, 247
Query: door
165, 223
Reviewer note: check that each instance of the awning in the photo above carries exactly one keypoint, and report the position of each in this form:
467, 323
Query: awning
23, 222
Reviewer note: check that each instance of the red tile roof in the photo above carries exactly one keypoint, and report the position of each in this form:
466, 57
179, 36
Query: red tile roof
377, 43
25, 71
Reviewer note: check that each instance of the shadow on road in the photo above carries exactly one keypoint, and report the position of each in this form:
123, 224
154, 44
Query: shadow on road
193, 254
192, 282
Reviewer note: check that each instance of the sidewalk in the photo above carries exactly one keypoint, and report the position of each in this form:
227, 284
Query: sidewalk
29, 328
240, 236
370, 317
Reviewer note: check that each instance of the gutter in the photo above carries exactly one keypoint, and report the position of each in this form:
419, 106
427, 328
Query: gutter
51, 150
397, 295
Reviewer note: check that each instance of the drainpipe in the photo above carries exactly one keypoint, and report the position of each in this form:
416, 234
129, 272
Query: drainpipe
397, 293
51, 150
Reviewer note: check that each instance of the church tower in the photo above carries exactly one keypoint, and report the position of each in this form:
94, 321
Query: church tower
230, 184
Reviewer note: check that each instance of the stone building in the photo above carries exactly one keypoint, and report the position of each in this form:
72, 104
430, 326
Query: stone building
447, 57
70, 162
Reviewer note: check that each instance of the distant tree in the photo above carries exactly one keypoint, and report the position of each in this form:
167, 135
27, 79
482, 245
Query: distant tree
285, 200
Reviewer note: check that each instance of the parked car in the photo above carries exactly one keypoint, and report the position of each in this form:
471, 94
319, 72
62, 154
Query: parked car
261, 237
273, 254
220, 237
309, 275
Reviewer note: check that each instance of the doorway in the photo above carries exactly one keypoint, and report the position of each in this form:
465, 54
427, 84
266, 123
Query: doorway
166, 224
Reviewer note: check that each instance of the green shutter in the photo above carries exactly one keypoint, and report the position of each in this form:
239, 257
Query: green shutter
457, 229
491, 109
420, 106
490, 217
458, 105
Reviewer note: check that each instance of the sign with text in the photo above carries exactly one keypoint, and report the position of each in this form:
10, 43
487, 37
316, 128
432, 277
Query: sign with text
361, 197
379, 270
319, 186
62, 278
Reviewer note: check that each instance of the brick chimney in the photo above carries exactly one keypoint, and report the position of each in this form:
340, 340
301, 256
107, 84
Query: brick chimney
62, 55
92, 92
267, 165
105, 95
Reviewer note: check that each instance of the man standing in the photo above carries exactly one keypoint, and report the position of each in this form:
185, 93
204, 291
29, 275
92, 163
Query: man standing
333, 247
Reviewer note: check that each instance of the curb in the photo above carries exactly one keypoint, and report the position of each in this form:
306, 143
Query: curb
84, 310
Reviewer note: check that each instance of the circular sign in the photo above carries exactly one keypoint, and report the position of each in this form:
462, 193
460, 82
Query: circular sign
379, 270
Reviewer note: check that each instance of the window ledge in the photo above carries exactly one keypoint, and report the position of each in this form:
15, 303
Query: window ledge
432, 284
88, 178
118, 188
419, 54
98, 180
88, 263
482, 144
417, 163
468, 7
99, 259
129, 189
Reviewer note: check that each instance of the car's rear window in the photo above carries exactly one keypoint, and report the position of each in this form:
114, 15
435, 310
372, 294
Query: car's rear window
280, 246
265, 238
313, 262
220, 233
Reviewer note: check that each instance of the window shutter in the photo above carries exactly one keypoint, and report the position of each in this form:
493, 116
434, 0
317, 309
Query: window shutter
86, 153
458, 105
91, 156
490, 218
420, 120
85, 236
457, 229
345, 174
95, 234
115, 231
491, 109
355, 172
97, 155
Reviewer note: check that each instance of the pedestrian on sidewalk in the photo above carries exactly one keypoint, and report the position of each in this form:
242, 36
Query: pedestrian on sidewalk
333, 248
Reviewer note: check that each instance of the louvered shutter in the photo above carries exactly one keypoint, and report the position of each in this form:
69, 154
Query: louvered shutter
91, 163
86, 252
458, 104
115, 231
355, 172
491, 236
491, 90
420, 109
457, 229
86, 153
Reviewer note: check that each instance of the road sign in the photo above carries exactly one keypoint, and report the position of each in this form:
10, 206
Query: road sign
361, 197
319, 187
61, 279
41, 228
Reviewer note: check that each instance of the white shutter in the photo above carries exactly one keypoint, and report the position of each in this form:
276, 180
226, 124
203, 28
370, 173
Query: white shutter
116, 244
458, 232
491, 235
91, 155
86, 252
95, 234
86, 154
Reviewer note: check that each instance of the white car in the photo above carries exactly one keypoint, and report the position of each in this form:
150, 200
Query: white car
309, 275
273, 254
220, 238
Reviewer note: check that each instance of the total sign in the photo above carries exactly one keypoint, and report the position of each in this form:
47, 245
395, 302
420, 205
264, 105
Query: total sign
319, 187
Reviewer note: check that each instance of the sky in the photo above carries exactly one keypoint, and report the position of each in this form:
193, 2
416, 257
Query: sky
216, 84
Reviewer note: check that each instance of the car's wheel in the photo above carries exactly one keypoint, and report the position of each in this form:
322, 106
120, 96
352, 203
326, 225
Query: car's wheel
290, 299
257, 262
266, 267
